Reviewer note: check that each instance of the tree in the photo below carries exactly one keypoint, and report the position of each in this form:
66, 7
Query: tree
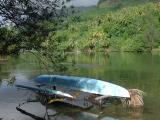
151, 33
34, 21
32, 17
31, 12
9, 41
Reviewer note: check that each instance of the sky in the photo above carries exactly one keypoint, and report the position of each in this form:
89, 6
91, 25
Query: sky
83, 2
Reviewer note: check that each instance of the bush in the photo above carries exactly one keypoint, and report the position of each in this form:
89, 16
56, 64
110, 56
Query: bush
133, 44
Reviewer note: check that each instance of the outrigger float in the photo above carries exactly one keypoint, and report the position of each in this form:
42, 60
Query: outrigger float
81, 92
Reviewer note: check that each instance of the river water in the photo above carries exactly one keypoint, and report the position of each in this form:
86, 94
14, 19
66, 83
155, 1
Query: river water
130, 70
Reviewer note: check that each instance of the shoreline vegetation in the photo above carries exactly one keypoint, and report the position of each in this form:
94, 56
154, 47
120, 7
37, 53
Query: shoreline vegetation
128, 29
109, 51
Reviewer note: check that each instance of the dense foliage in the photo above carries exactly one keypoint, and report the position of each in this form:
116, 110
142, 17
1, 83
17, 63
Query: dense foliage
134, 28
29, 25
33, 20
131, 28
8, 41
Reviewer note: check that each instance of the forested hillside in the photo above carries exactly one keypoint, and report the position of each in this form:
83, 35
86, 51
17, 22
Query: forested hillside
122, 3
129, 28
132, 28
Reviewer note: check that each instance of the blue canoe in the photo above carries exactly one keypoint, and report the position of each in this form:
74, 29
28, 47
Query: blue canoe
83, 84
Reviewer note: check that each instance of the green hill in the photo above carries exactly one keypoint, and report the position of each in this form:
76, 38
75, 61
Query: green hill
132, 28
121, 3
105, 6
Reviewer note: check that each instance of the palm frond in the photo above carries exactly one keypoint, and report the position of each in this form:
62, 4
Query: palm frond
135, 100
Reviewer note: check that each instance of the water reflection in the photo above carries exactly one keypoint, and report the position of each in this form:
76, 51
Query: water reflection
130, 70
109, 118
74, 114
122, 113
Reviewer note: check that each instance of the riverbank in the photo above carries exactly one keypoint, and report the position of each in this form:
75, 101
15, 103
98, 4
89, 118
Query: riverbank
3, 59
156, 50
113, 50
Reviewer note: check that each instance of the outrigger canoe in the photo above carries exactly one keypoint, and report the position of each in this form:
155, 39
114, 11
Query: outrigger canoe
47, 92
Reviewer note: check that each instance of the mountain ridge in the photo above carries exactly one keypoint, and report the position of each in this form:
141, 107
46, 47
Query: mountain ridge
122, 3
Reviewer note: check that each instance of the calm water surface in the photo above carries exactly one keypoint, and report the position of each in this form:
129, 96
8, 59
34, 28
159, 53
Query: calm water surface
129, 70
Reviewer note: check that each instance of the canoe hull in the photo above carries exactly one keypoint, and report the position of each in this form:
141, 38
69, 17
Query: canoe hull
83, 84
